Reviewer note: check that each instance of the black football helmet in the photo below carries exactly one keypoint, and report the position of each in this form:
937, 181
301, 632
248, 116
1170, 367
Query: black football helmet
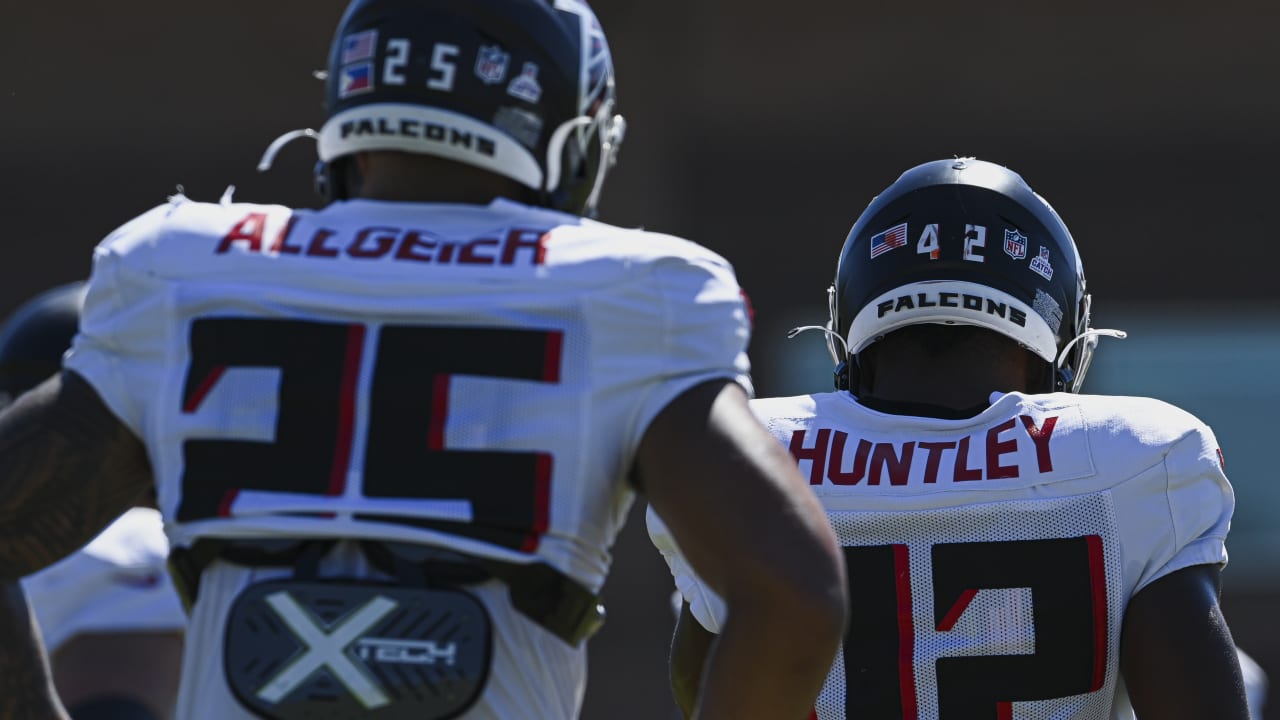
34, 338
521, 88
964, 242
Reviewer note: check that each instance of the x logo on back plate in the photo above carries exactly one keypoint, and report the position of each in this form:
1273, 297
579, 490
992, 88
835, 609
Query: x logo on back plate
326, 647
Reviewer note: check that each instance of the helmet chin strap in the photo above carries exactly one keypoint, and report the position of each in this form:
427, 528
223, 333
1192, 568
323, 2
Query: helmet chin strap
556, 145
269, 156
822, 329
610, 131
845, 369
1062, 356
611, 136
1065, 378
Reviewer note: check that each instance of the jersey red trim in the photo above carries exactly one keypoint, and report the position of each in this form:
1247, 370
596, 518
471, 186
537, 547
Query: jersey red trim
346, 410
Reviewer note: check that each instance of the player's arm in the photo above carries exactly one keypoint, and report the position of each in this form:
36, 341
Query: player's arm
1176, 652
67, 468
748, 524
26, 689
689, 649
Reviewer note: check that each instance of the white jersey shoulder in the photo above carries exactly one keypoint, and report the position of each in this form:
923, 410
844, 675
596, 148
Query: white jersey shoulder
177, 239
1020, 441
1158, 465
1111, 493
366, 335
118, 583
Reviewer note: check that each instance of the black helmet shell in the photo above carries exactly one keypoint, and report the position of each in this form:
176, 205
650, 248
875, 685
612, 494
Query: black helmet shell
35, 337
968, 242
521, 88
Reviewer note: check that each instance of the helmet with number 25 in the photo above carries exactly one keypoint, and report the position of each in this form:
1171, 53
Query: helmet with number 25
520, 88
964, 242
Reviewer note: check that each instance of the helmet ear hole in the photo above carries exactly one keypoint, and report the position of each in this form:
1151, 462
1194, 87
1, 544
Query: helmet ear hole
576, 156
579, 156
338, 179
842, 376
848, 375
324, 185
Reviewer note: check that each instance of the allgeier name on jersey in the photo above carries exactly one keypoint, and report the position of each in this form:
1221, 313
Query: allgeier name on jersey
514, 246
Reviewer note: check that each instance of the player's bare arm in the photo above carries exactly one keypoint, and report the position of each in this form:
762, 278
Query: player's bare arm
26, 689
68, 467
1176, 651
51, 441
737, 506
688, 655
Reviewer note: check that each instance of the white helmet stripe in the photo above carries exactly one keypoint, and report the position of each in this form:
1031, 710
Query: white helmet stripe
431, 131
952, 302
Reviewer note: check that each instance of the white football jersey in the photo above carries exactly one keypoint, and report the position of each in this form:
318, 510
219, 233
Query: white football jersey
991, 559
118, 583
473, 377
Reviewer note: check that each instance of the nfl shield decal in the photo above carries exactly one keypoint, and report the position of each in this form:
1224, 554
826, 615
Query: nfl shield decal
1015, 244
491, 64
1040, 264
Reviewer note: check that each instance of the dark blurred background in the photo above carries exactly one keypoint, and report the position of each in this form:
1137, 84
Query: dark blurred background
761, 130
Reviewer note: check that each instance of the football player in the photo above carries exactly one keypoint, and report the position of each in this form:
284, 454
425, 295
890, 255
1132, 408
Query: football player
394, 439
112, 599
1014, 549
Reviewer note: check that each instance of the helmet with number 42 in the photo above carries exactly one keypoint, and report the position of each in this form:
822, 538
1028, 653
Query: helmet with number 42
965, 242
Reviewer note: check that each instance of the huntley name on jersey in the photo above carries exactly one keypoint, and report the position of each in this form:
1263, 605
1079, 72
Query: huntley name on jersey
996, 454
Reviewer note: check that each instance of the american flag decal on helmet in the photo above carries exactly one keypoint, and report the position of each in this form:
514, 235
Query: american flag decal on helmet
359, 46
883, 242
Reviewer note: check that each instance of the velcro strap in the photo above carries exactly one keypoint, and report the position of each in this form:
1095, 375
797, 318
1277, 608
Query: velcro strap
550, 598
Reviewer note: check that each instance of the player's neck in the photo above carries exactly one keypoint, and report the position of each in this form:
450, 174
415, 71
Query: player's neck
954, 391
950, 404
917, 409
403, 177
391, 190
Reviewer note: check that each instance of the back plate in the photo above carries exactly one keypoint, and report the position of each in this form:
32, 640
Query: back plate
338, 650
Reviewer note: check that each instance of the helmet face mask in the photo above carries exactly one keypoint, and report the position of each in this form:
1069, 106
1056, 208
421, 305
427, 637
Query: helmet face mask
964, 242
520, 88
